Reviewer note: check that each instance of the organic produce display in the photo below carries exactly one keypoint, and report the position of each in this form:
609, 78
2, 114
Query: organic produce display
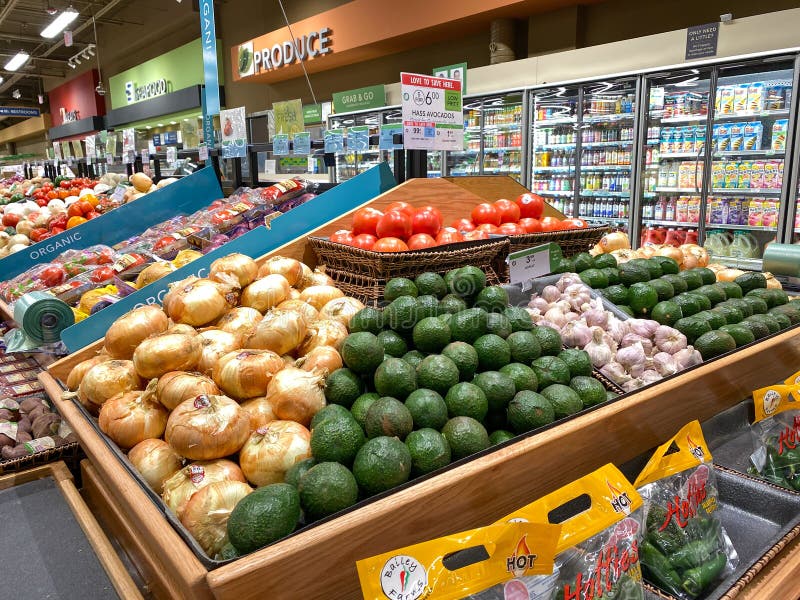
214, 393
403, 227
776, 429
631, 352
29, 425
685, 548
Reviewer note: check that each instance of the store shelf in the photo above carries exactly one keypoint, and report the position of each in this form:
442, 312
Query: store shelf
738, 153
606, 219
555, 146
554, 122
675, 190
764, 114
746, 192
739, 227
514, 170
502, 126
670, 155
668, 223
609, 118
682, 119
554, 192
503, 149
609, 193
606, 144
554, 169
753, 264
649, 195
606, 168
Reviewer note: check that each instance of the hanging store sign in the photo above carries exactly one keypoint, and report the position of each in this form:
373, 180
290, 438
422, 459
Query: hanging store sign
312, 114
19, 111
137, 93
433, 117
252, 59
69, 116
373, 96
701, 41
288, 117
208, 38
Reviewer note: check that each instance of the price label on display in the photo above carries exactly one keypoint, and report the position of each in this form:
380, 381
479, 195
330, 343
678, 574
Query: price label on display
130, 157
433, 116
110, 158
145, 158
202, 152
527, 264
172, 156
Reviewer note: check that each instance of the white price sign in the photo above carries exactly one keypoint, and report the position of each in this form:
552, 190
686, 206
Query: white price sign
202, 152
145, 158
433, 116
527, 264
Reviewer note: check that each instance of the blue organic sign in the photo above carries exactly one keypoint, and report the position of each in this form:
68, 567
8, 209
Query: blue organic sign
208, 38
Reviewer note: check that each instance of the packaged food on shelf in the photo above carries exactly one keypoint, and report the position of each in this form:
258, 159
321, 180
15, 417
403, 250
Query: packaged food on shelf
779, 132
776, 431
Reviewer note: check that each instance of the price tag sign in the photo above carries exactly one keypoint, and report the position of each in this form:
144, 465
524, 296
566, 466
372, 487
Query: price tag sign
130, 157
145, 158
172, 156
334, 140
202, 152
118, 193
280, 144
110, 158
302, 144
527, 264
433, 116
270, 166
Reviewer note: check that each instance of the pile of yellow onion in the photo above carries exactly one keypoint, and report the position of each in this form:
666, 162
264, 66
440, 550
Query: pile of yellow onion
214, 392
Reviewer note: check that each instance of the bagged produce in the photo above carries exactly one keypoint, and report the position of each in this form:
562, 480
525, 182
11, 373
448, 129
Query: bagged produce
599, 546
685, 548
482, 563
776, 433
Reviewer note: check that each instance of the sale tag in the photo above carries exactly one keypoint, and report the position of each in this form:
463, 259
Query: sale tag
202, 152
528, 264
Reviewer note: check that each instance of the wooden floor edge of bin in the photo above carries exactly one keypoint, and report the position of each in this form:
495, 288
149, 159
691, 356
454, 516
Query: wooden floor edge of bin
106, 555
165, 561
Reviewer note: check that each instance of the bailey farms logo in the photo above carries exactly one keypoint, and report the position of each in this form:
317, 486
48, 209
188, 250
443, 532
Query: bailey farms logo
403, 578
522, 559
772, 400
620, 501
695, 449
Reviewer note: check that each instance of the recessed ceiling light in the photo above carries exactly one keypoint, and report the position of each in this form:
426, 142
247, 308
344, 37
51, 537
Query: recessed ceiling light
60, 23
160, 124
16, 61
148, 127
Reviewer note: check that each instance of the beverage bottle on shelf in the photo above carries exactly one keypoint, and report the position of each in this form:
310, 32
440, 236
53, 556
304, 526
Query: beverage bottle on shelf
691, 237
669, 212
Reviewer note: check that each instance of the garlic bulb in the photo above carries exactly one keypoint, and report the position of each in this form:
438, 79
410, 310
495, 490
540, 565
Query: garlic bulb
599, 353
576, 334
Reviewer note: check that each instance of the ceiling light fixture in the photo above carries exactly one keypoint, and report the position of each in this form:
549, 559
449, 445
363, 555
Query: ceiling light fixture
16, 61
16, 94
60, 23
173, 123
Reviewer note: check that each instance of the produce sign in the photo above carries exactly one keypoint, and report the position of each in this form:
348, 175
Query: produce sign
776, 431
433, 116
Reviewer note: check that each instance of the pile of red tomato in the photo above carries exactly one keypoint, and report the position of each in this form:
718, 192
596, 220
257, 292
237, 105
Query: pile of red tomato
403, 227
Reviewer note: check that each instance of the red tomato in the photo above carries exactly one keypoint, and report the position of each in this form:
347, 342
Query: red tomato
573, 224
434, 210
421, 240
463, 225
530, 205
343, 236
75, 210
509, 211
365, 220
10, 220
477, 234
394, 224
488, 228
164, 242
390, 244
92, 214
530, 225
403, 207
55, 231
65, 184
485, 213
426, 221
511, 229
86, 206
216, 204
551, 224
449, 236
52, 276
40, 201
365, 241
36, 234
102, 274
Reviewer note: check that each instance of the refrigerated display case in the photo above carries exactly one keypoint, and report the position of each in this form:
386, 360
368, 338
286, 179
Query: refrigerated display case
350, 163
493, 144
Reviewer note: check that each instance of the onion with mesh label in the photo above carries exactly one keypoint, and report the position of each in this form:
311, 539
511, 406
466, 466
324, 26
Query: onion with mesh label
132, 417
78, 371
266, 292
260, 411
322, 358
130, 330
296, 394
247, 373
242, 267
272, 449
216, 344
309, 312
178, 386
280, 331
195, 476
198, 302
156, 462
324, 332
240, 321
108, 379
319, 295
341, 309
167, 352
290, 268
206, 514
207, 427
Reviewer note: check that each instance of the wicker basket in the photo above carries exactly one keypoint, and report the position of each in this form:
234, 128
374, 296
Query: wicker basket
571, 241
386, 265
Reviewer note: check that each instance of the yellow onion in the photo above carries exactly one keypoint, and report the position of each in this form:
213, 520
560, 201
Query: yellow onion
288, 359
260, 411
78, 371
341, 309
154, 272
671, 252
132, 417
280, 331
296, 394
315, 277
141, 182
772, 283
198, 302
216, 344
728, 274
319, 295
243, 268
699, 254
247, 373
106, 380
617, 240
207, 512
178, 386
167, 352
322, 358
207, 427
647, 251
195, 476
156, 462
184, 329
290, 268
132, 329
272, 449
309, 312
266, 292
240, 321
294, 294
324, 332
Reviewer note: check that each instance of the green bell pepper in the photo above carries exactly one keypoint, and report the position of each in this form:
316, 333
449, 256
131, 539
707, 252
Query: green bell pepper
699, 578
659, 569
693, 554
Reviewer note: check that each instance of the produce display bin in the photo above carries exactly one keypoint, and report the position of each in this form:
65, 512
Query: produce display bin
571, 241
493, 187
467, 495
43, 504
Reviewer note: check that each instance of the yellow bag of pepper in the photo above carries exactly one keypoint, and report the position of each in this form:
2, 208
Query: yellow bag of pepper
92, 297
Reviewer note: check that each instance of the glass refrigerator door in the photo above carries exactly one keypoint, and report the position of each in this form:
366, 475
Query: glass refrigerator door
554, 142
606, 147
751, 125
350, 163
502, 136
672, 159
468, 161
